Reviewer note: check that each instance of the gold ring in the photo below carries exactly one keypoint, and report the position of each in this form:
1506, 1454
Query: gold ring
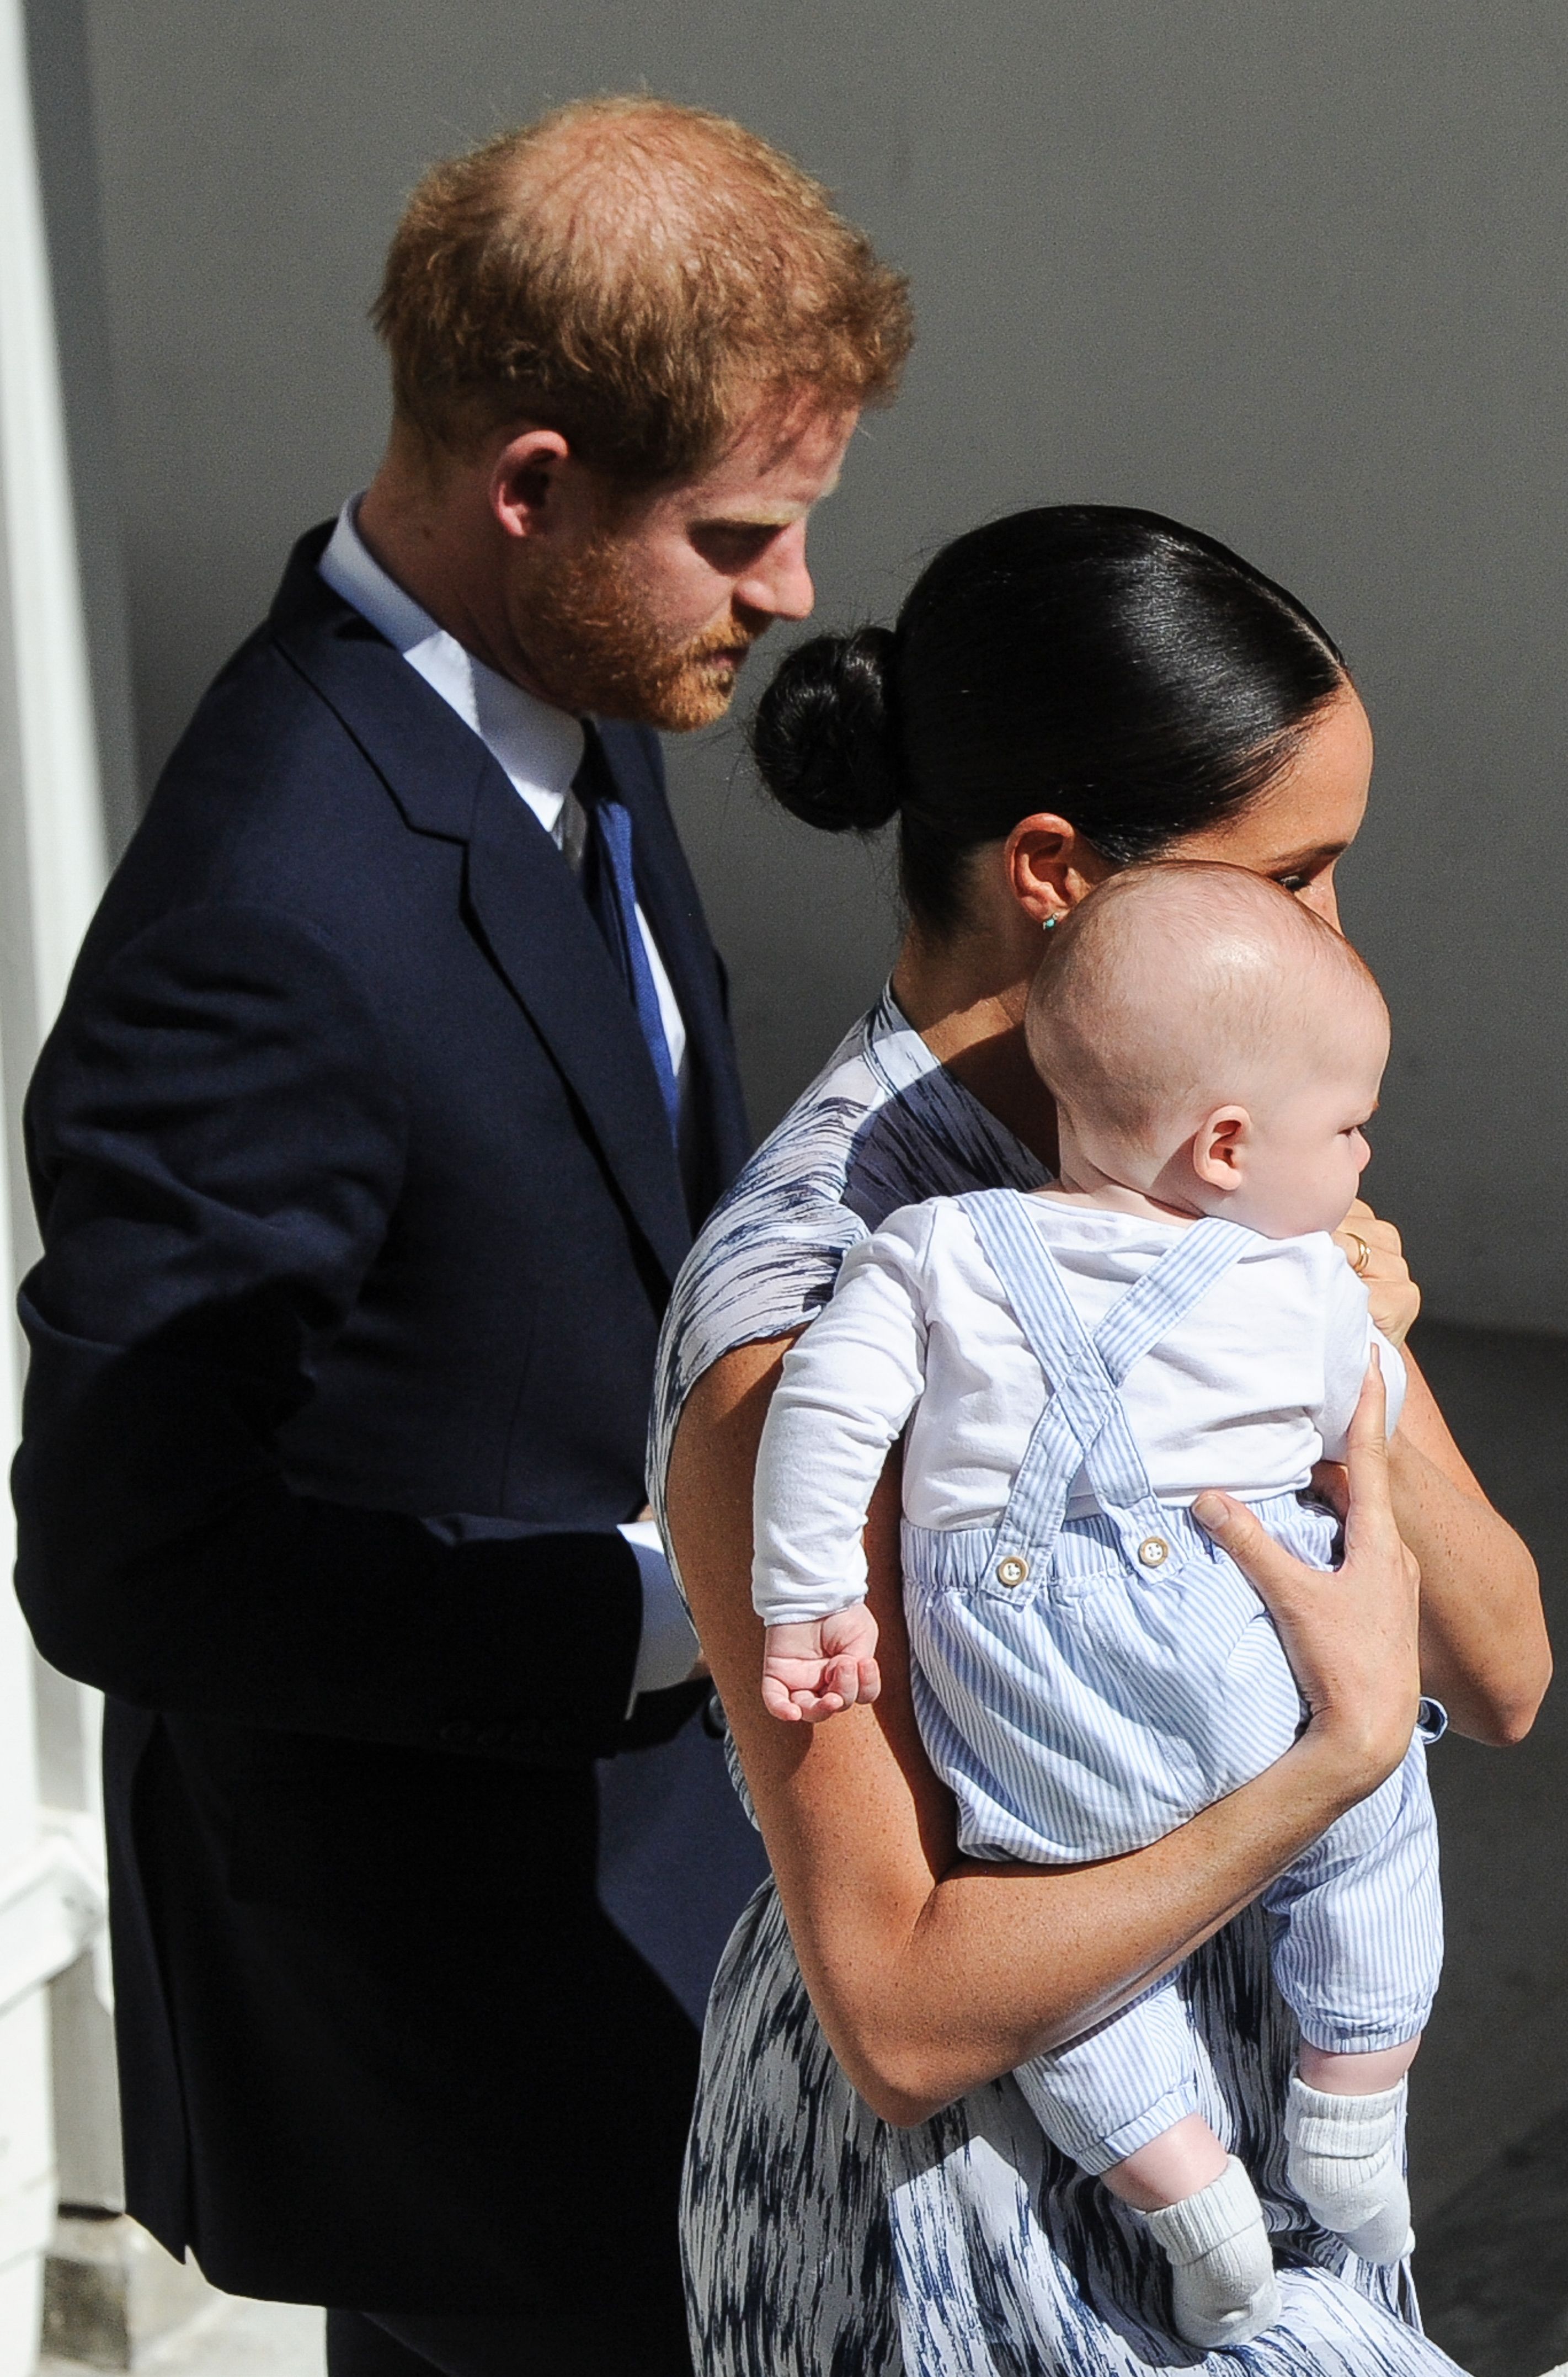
1363, 1261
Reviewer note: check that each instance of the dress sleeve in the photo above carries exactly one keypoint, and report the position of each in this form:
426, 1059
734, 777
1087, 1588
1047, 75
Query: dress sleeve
845, 1391
1351, 1334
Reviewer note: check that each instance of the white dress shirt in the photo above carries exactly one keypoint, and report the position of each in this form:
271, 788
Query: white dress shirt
540, 750
1257, 1383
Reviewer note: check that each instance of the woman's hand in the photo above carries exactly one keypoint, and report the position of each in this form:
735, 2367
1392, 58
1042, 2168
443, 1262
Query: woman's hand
1372, 1250
1352, 1633
1484, 1650
931, 1974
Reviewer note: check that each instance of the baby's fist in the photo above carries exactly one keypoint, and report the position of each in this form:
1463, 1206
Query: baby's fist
815, 1667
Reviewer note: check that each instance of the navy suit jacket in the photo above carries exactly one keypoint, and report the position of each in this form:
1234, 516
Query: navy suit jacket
359, 1211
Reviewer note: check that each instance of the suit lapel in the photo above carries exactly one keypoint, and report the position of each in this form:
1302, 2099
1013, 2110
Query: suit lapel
523, 902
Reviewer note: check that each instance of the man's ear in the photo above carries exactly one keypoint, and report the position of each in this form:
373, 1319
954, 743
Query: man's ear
1220, 1147
526, 481
1051, 866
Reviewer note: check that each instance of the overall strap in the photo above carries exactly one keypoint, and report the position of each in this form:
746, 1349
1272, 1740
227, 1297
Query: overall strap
1085, 1424
1164, 1296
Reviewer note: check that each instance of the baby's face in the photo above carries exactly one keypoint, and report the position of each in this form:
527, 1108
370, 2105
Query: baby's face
1306, 1148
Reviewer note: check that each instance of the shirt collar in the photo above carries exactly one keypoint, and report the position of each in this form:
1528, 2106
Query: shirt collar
538, 746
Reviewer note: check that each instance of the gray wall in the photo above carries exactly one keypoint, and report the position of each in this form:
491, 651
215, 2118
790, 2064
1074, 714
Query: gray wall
1290, 271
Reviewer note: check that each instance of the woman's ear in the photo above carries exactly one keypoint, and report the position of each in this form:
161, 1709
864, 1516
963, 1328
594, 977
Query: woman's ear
1220, 1148
1049, 867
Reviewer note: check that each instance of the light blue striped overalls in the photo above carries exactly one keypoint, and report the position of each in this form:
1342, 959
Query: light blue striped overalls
1085, 1685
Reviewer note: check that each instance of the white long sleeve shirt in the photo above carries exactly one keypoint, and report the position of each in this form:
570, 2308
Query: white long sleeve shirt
1257, 1384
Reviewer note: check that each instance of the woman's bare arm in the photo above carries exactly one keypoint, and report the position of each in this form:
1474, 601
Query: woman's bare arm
1484, 1650
932, 1973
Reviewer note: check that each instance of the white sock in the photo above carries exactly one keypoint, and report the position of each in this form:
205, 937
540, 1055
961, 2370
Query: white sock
1221, 2263
1345, 2165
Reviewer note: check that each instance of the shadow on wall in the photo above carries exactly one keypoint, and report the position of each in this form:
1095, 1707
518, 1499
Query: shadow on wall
1277, 271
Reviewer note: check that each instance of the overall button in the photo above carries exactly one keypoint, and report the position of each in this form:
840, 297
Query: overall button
1012, 1571
1153, 1551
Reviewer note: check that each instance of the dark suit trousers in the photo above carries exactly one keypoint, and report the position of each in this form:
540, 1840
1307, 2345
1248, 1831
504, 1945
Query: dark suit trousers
383, 2063
515, 2345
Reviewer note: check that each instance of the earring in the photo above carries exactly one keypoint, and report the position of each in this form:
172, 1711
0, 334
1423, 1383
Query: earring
1050, 923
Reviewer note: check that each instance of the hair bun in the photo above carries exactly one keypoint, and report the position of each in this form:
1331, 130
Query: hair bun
823, 737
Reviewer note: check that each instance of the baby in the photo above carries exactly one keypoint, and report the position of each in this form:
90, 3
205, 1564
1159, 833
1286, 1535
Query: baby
1090, 1669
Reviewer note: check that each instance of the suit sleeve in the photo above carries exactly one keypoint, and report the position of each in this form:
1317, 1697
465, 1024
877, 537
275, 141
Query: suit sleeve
218, 1140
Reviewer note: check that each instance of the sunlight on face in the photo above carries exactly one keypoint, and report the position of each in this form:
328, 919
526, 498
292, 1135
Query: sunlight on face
1299, 826
654, 619
1306, 1148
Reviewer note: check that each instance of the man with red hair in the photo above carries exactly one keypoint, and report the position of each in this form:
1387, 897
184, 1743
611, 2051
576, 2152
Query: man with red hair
392, 1080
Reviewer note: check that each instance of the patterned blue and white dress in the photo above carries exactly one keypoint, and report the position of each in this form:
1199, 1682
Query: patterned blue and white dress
820, 2242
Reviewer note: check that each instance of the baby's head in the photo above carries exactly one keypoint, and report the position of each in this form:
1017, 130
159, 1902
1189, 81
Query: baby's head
1212, 1043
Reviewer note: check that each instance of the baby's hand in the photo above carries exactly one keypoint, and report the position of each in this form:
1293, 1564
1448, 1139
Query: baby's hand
816, 1666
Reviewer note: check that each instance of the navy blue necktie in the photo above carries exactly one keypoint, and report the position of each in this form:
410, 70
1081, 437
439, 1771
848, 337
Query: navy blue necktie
609, 885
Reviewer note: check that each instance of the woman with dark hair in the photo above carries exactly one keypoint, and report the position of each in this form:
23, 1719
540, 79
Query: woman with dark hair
1066, 691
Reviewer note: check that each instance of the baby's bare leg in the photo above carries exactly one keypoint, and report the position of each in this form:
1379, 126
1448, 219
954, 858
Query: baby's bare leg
1356, 2076
1205, 2218
1123, 2101
1170, 2168
1343, 2122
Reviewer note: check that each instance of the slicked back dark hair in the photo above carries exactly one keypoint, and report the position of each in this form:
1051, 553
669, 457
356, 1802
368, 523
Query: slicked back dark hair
1109, 665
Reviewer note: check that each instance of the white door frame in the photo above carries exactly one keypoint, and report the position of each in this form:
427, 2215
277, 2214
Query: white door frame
52, 870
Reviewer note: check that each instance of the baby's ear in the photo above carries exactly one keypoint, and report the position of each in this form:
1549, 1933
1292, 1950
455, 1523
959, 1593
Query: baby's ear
1220, 1146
